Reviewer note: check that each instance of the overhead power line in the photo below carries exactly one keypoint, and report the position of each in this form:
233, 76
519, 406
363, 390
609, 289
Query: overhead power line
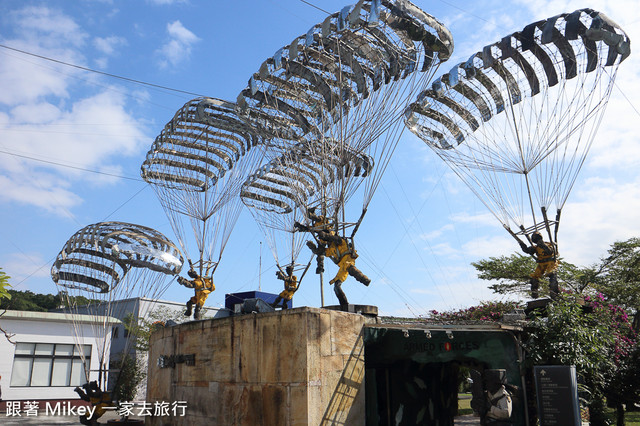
130, 80
313, 5
70, 167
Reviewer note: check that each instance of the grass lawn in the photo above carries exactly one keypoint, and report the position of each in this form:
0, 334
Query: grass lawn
631, 418
464, 405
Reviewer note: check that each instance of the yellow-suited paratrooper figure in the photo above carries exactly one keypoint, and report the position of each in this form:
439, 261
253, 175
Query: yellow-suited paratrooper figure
338, 249
99, 399
203, 286
290, 286
547, 263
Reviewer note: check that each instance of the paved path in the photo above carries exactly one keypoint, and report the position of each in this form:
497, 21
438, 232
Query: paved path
43, 420
467, 420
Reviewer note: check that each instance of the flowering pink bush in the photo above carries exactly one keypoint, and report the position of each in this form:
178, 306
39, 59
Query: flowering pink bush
619, 324
486, 311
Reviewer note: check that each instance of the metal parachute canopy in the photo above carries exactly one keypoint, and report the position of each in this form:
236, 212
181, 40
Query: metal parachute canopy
276, 193
516, 120
342, 87
101, 265
196, 166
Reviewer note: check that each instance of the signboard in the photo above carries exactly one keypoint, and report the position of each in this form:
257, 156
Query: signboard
557, 395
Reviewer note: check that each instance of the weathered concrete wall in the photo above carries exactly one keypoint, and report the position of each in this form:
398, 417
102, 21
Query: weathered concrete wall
301, 366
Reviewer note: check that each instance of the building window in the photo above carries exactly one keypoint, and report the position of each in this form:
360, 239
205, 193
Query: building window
49, 364
114, 332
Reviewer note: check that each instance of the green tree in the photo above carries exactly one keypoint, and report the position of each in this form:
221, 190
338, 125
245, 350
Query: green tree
584, 331
623, 382
511, 272
143, 327
5, 296
565, 335
618, 276
598, 338
30, 301
134, 370
4, 284
512, 275
131, 374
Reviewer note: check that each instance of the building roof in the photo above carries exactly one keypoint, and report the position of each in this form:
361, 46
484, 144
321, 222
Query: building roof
158, 301
56, 317
468, 325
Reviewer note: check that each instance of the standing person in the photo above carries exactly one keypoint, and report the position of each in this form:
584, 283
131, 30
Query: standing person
546, 257
499, 403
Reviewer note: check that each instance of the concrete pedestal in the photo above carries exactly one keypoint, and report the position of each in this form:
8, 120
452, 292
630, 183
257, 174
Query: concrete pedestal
302, 366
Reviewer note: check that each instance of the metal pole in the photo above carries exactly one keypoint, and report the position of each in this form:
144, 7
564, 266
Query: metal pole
321, 291
260, 269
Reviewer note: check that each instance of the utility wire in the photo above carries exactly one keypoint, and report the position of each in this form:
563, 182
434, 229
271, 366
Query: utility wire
314, 6
70, 167
131, 80
625, 96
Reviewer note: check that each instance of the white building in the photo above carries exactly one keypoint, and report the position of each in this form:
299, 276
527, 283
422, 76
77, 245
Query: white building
141, 307
45, 362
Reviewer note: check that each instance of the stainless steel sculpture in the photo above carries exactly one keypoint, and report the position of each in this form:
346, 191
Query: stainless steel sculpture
342, 87
98, 269
196, 167
517, 119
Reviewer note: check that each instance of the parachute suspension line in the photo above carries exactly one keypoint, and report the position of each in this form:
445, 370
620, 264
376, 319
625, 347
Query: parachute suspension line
306, 268
601, 105
391, 135
525, 166
562, 165
513, 234
202, 238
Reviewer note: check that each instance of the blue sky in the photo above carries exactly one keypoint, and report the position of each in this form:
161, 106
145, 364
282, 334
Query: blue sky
423, 228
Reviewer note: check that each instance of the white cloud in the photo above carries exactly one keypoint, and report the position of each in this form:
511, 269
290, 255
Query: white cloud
68, 140
443, 249
46, 32
178, 48
85, 132
109, 45
602, 211
35, 113
48, 26
39, 121
28, 264
25, 79
495, 244
42, 190
437, 233
480, 219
